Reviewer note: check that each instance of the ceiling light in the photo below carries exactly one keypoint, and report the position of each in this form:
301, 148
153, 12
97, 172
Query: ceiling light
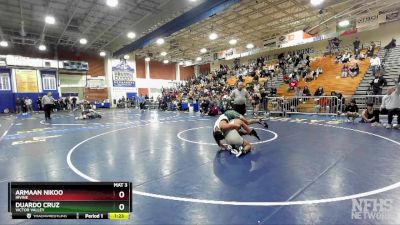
249, 46
316, 2
83, 41
3, 43
344, 23
126, 56
165, 61
42, 47
102, 53
163, 53
233, 42
50, 20
147, 59
160, 41
213, 36
112, 3
131, 35
198, 59
203, 50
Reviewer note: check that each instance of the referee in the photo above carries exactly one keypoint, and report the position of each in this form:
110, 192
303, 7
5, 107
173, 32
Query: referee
48, 103
239, 97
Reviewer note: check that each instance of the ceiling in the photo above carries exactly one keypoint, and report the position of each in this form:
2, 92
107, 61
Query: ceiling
104, 27
253, 21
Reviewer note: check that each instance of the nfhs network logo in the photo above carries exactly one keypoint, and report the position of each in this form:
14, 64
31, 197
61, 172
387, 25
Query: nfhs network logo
373, 209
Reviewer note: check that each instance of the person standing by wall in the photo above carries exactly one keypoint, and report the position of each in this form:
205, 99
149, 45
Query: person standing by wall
48, 103
239, 97
28, 103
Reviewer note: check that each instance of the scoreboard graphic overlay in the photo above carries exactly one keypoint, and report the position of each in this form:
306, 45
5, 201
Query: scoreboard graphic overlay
70, 200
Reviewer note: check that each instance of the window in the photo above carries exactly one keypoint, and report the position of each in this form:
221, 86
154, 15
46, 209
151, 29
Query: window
49, 82
5, 82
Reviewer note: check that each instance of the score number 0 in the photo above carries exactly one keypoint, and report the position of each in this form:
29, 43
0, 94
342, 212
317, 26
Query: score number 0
121, 206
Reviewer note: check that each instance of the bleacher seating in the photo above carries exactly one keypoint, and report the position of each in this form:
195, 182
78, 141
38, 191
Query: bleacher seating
330, 80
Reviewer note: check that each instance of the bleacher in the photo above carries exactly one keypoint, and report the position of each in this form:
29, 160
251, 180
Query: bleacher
330, 80
391, 69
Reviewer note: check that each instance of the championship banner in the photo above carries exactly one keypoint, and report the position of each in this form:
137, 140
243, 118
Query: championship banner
367, 22
389, 16
26, 81
123, 75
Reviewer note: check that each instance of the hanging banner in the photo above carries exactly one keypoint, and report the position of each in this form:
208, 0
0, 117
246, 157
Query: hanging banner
291, 39
49, 81
347, 30
26, 81
367, 21
389, 16
123, 74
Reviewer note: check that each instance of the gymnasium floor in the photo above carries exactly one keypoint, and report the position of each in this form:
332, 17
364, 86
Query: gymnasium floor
303, 171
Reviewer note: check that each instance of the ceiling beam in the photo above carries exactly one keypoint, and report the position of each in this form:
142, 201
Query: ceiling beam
136, 22
76, 4
197, 14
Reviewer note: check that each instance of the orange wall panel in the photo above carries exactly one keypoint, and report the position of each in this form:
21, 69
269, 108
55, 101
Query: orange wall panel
140, 68
205, 68
159, 70
186, 72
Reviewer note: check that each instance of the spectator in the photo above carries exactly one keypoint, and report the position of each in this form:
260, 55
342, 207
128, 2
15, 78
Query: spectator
239, 97
370, 115
346, 57
356, 45
256, 102
39, 103
391, 103
377, 84
306, 91
355, 70
293, 85
28, 103
392, 44
371, 49
345, 71
352, 111
319, 91
375, 64
19, 103
74, 100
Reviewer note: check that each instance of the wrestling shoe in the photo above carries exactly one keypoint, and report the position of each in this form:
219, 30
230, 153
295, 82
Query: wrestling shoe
254, 133
240, 152
262, 122
235, 152
397, 126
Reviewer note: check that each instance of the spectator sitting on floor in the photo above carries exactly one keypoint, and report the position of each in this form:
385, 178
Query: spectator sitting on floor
319, 71
319, 91
213, 109
306, 91
352, 111
346, 57
293, 85
391, 104
370, 115
392, 44
309, 76
345, 71
354, 70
